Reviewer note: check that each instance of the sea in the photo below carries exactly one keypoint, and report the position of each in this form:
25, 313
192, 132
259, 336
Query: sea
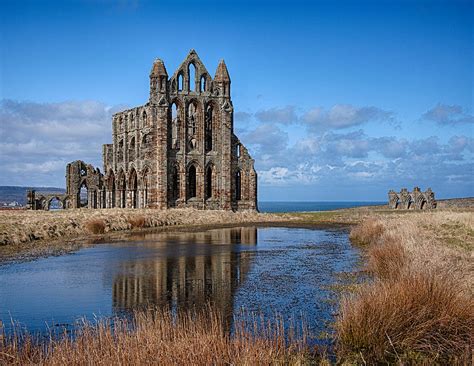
306, 206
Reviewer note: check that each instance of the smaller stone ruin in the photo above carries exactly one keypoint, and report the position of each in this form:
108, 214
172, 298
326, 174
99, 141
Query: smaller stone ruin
45, 200
416, 200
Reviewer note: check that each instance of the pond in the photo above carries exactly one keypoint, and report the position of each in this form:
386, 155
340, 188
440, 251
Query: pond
268, 270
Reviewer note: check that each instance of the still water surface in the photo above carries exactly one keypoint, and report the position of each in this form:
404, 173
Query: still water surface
266, 270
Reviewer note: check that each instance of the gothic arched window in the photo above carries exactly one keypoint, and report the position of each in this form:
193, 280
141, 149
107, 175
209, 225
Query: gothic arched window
192, 182
191, 77
208, 129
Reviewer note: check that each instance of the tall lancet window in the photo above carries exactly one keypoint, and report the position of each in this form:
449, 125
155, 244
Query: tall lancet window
208, 139
192, 126
174, 127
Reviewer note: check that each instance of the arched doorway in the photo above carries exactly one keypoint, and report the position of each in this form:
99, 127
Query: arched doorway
55, 204
112, 191
191, 182
133, 189
146, 184
121, 185
83, 198
174, 186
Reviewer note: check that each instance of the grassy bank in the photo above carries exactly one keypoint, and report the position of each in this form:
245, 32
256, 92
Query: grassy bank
28, 234
419, 306
26, 226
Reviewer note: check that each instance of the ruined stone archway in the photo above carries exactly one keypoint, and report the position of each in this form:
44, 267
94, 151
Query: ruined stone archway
191, 182
133, 189
121, 189
55, 203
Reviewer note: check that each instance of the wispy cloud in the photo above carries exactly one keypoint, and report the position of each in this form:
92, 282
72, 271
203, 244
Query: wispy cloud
283, 115
445, 114
342, 116
318, 119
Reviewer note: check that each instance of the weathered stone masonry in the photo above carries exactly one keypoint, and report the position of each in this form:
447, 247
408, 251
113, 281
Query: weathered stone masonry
417, 199
177, 150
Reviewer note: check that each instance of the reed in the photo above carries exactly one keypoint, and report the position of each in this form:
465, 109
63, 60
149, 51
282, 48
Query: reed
159, 337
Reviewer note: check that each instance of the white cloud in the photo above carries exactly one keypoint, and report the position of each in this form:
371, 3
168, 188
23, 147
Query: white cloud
343, 116
445, 114
284, 115
38, 139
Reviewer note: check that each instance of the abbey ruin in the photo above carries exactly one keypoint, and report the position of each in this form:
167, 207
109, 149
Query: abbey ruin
177, 150
417, 199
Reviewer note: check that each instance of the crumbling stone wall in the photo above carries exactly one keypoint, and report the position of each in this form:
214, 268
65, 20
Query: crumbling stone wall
177, 150
42, 201
79, 175
412, 200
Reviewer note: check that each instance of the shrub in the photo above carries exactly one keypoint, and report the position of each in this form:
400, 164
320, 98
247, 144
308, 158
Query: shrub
137, 221
418, 317
95, 226
367, 232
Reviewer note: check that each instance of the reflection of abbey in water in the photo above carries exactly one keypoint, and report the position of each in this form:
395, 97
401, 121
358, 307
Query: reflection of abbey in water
191, 275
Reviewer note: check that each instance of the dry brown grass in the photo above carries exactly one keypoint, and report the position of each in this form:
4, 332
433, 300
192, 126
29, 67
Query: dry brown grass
418, 316
96, 226
19, 227
419, 306
137, 222
387, 259
159, 338
367, 232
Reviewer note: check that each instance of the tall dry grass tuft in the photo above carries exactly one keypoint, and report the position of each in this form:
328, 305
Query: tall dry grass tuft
416, 317
386, 258
159, 337
95, 226
367, 232
137, 222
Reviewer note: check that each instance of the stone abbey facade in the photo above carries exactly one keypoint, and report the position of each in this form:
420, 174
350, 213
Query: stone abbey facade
417, 199
177, 150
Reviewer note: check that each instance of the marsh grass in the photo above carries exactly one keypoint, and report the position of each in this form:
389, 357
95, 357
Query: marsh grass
22, 226
417, 316
367, 232
95, 226
137, 222
418, 307
161, 338
387, 259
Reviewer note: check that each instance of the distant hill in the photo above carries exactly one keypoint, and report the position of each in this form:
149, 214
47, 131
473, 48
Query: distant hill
10, 194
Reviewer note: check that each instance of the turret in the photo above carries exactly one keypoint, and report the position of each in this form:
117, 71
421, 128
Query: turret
158, 79
222, 79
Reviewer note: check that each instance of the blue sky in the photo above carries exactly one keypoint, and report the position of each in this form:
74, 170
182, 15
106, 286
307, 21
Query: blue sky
336, 100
